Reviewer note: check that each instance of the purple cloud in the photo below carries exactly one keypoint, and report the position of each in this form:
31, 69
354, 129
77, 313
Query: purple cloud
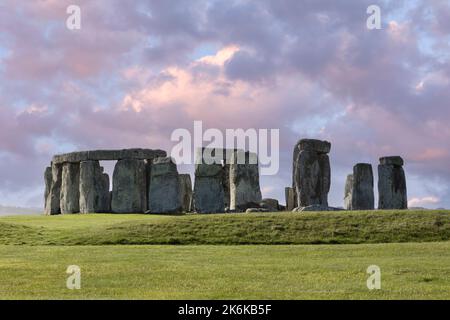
310, 68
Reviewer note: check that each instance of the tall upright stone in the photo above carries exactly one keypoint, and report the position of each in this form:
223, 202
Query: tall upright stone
294, 170
164, 191
185, 191
48, 186
348, 192
290, 198
129, 187
392, 190
148, 177
245, 191
312, 172
208, 196
94, 188
362, 187
53, 203
226, 183
70, 188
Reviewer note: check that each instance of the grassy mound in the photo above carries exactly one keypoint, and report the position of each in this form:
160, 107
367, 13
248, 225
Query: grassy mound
229, 229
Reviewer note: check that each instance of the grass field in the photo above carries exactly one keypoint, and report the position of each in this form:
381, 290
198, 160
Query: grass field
228, 229
232, 256
408, 271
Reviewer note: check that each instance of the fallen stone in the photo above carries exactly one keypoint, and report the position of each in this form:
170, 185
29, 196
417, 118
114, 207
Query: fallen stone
251, 210
316, 207
129, 187
164, 192
270, 204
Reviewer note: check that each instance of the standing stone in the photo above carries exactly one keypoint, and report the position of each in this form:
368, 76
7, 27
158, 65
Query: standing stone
362, 187
226, 183
290, 198
129, 187
94, 188
70, 188
245, 190
53, 203
208, 189
48, 185
164, 191
185, 191
148, 178
312, 173
392, 191
209, 192
348, 192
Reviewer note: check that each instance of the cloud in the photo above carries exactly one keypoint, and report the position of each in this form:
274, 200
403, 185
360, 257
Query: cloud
423, 202
136, 71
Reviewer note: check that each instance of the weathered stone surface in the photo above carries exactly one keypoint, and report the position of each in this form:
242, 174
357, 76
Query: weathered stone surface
314, 145
208, 194
94, 188
208, 170
394, 160
312, 178
244, 181
70, 188
271, 205
218, 156
316, 207
185, 191
226, 184
48, 186
290, 196
392, 193
99, 155
362, 188
148, 178
53, 204
294, 166
164, 191
129, 187
348, 192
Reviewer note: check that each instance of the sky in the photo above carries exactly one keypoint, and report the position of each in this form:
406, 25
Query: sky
138, 70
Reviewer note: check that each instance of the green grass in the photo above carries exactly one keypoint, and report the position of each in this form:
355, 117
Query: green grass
214, 263
408, 271
228, 229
